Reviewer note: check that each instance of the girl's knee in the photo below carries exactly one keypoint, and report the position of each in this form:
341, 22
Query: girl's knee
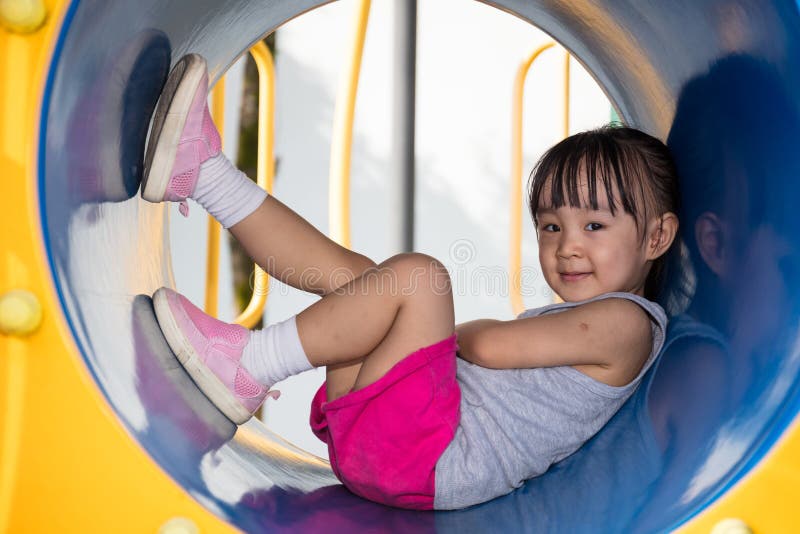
418, 272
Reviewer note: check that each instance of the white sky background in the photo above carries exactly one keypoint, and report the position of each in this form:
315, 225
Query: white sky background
467, 57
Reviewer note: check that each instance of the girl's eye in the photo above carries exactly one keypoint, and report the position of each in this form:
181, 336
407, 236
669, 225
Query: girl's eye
594, 226
551, 228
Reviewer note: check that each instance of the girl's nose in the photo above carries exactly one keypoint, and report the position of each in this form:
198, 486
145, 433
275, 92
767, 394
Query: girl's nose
569, 245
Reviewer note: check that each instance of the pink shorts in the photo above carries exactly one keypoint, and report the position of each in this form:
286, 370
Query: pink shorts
384, 440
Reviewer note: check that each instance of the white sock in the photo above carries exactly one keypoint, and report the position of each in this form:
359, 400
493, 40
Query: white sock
275, 353
226, 192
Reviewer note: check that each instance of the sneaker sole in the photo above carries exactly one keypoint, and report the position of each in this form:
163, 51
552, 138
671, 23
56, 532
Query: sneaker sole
211, 386
168, 122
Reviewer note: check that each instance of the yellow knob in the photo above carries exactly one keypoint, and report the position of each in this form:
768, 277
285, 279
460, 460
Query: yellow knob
179, 525
731, 526
20, 313
22, 16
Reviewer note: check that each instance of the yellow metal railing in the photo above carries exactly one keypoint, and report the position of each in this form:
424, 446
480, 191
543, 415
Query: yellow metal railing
341, 143
566, 93
265, 172
265, 169
515, 212
211, 305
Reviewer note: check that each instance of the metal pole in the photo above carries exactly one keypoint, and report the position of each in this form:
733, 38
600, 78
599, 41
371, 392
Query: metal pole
402, 184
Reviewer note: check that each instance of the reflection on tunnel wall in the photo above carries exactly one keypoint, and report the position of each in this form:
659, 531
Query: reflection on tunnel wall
734, 138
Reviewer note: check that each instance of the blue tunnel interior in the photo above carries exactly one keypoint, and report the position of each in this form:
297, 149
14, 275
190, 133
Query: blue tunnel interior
716, 79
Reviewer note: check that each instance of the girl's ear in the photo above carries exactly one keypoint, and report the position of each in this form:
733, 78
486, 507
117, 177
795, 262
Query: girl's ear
709, 233
661, 235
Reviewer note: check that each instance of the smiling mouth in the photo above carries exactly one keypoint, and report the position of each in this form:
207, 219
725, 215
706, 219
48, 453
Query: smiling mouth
573, 277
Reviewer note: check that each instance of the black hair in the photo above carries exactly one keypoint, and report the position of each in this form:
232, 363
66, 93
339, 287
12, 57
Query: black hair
626, 161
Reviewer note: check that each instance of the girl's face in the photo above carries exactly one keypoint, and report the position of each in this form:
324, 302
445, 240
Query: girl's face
585, 252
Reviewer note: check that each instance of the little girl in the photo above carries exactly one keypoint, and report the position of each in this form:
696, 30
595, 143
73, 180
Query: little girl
410, 422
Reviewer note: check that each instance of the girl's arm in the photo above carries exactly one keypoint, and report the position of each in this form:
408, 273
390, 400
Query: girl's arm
611, 333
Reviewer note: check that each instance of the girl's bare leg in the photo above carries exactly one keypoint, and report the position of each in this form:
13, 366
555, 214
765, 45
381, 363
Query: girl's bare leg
377, 319
290, 249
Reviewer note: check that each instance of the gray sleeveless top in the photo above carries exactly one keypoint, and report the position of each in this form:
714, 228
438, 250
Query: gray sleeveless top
516, 423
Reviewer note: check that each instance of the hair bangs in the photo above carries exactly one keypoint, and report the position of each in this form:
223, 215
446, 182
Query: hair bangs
595, 164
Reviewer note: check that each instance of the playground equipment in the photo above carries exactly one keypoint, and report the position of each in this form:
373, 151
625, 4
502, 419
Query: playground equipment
103, 431
515, 207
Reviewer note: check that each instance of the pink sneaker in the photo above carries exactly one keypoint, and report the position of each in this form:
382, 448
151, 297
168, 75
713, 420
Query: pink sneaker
182, 136
210, 351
